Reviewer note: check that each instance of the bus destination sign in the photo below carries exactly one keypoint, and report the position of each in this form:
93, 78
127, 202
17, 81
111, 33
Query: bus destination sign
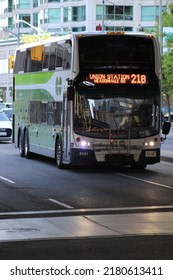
138, 79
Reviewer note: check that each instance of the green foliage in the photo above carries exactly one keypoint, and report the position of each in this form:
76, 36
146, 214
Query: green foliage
167, 67
167, 58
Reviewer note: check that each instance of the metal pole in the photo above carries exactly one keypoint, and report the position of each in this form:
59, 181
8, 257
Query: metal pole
160, 28
30, 25
18, 34
9, 31
103, 15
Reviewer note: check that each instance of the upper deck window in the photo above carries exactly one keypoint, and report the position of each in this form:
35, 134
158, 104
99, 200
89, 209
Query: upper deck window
116, 51
47, 58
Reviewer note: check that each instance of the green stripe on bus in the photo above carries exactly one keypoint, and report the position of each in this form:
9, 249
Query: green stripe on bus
33, 78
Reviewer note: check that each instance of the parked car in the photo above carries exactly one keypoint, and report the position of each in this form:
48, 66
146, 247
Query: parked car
2, 105
8, 112
5, 127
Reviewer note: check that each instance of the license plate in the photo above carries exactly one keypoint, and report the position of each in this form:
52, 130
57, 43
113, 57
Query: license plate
3, 133
150, 153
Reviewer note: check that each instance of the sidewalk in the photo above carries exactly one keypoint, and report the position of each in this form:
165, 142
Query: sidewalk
167, 155
160, 223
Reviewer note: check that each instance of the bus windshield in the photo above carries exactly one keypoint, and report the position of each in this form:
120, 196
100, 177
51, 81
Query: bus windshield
116, 52
116, 117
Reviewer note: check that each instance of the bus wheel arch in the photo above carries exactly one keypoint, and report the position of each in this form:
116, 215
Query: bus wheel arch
59, 152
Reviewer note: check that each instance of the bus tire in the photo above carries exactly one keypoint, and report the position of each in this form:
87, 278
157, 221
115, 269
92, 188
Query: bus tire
26, 145
59, 153
21, 145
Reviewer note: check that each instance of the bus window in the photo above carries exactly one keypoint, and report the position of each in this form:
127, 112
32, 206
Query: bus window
67, 56
54, 113
17, 61
52, 59
20, 61
59, 56
46, 54
28, 61
36, 57
35, 112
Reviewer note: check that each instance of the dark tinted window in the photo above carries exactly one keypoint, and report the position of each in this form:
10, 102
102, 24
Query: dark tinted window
116, 51
19, 62
49, 57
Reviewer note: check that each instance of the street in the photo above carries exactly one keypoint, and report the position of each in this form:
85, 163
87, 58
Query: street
36, 188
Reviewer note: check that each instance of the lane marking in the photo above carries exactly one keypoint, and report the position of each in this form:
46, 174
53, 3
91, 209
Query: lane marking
143, 180
7, 180
89, 210
60, 203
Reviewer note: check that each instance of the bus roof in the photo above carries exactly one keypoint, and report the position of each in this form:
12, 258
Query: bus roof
81, 34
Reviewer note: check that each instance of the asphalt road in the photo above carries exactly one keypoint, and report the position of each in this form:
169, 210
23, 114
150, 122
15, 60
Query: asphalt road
106, 248
38, 186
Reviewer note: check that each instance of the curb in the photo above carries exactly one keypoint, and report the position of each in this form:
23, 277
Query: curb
166, 158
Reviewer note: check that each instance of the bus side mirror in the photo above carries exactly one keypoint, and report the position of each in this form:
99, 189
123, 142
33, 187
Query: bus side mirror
166, 128
70, 93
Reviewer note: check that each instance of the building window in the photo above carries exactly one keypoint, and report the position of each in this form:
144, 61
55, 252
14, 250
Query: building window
74, 14
35, 19
54, 16
10, 23
35, 3
119, 28
24, 4
78, 29
49, 1
25, 17
150, 13
53, 1
115, 12
98, 12
10, 5
71, 0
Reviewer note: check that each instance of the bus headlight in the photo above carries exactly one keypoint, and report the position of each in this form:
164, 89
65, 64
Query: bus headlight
151, 143
83, 143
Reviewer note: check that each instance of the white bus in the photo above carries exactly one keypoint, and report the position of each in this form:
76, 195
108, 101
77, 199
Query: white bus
89, 98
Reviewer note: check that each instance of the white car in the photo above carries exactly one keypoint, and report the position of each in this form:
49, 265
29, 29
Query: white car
8, 112
5, 127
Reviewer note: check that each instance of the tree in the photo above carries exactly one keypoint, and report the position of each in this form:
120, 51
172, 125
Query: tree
167, 58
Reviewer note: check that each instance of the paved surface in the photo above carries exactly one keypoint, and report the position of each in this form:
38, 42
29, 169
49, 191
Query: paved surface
165, 154
85, 225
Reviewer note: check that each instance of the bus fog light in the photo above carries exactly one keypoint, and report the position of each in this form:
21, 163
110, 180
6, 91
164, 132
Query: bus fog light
83, 143
150, 144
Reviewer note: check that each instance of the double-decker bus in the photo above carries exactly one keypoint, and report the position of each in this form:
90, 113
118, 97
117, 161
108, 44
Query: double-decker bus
89, 98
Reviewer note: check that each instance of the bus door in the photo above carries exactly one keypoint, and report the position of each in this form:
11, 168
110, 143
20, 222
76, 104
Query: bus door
66, 129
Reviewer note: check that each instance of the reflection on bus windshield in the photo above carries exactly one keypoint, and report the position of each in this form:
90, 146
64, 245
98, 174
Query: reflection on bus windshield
125, 117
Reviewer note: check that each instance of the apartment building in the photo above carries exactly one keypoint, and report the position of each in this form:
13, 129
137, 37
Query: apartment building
56, 16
